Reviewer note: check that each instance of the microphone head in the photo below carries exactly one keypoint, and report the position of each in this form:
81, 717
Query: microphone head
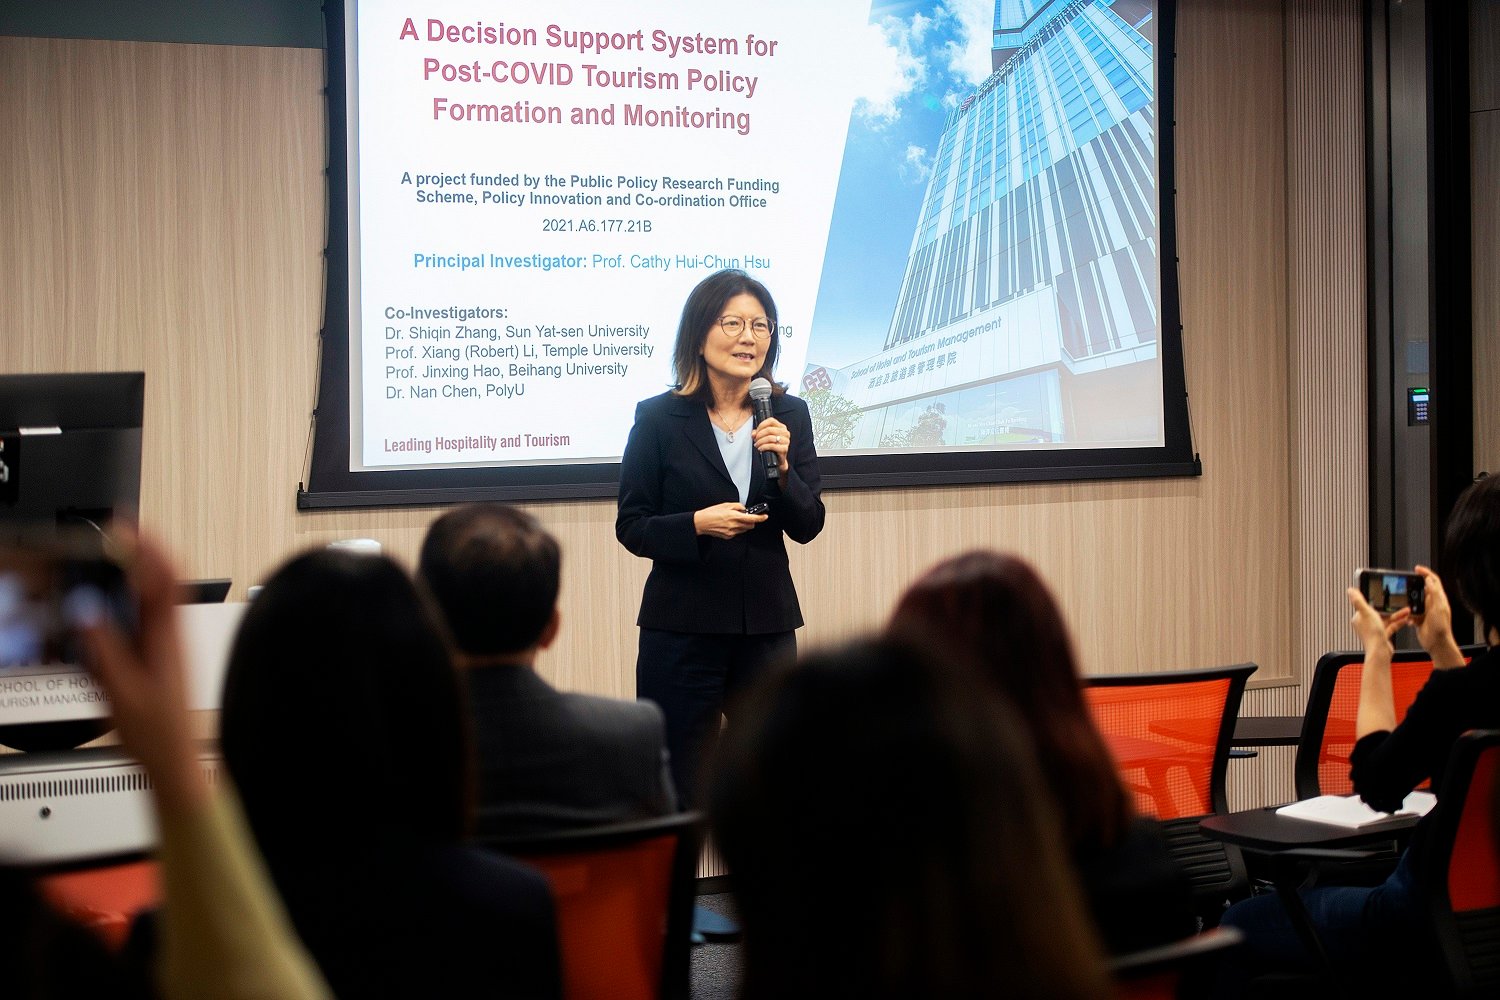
760, 389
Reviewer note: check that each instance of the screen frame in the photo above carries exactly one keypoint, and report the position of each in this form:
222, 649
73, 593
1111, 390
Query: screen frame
332, 484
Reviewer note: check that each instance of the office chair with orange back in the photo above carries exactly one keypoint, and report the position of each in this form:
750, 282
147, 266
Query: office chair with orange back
1322, 762
104, 898
624, 897
1170, 734
1461, 856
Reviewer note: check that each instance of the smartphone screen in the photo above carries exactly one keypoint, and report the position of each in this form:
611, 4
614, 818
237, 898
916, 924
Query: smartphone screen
1389, 590
41, 657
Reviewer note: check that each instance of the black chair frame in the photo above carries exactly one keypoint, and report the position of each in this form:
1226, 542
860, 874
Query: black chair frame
1215, 869
1469, 943
1320, 698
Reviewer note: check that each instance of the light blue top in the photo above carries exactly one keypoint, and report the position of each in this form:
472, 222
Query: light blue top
737, 456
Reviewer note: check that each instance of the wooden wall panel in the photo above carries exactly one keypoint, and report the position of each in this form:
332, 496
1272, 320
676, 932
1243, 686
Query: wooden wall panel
169, 212
1484, 181
1484, 55
1325, 359
163, 208
1484, 138
1326, 321
1265, 779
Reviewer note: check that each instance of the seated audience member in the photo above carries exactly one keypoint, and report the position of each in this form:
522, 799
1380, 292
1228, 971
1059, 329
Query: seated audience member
890, 836
223, 933
1377, 934
992, 613
548, 760
344, 728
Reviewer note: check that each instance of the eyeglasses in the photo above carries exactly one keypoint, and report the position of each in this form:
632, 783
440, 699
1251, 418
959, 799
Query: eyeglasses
733, 326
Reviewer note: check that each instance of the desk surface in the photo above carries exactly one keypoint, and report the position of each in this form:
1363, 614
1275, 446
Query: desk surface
1264, 830
1267, 730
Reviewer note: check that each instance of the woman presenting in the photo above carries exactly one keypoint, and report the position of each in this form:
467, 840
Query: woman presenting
719, 603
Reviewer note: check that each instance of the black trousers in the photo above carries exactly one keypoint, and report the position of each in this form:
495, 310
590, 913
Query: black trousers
695, 679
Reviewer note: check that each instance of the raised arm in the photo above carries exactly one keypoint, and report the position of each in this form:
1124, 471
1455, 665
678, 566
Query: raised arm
224, 932
1377, 706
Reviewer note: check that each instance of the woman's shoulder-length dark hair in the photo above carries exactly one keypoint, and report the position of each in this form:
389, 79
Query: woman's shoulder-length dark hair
1471, 549
993, 614
343, 719
700, 314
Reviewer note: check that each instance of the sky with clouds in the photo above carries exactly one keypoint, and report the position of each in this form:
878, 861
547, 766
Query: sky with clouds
919, 59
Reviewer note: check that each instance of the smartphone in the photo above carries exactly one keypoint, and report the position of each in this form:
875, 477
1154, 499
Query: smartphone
38, 583
760, 508
1390, 590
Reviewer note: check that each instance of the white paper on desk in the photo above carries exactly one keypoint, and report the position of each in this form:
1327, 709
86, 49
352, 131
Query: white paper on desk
1350, 810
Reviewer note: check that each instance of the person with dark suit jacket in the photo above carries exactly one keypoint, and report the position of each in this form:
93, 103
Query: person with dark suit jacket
548, 760
719, 603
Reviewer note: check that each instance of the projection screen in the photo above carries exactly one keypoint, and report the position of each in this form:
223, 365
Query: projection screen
962, 207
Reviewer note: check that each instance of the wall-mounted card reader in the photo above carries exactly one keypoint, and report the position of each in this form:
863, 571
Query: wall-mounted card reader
1418, 401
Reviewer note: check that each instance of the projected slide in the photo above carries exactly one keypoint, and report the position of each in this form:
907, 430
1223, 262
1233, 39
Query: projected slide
953, 202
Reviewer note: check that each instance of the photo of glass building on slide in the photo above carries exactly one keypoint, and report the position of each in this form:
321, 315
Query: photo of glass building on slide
1028, 312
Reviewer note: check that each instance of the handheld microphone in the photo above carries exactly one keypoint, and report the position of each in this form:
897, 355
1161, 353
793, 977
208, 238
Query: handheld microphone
760, 402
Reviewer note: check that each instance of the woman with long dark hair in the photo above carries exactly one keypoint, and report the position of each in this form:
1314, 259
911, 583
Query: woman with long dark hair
992, 613
697, 500
223, 931
344, 729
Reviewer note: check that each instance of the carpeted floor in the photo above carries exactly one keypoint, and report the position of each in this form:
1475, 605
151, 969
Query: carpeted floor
716, 967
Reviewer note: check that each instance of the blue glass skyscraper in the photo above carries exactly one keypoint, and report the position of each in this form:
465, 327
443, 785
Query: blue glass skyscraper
1033, 264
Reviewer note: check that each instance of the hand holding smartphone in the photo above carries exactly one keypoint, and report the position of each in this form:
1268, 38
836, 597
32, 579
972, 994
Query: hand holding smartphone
1390, 590
42, 587
48, 582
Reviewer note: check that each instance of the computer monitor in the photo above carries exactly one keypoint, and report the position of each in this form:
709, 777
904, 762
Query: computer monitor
70, 449
203, 591
70, 462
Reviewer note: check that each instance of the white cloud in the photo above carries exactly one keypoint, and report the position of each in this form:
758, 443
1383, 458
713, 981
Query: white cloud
920, 25
898, 56
892, 64
917, 165
968, 53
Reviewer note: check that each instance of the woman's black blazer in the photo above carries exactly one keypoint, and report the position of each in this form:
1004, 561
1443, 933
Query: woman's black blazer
673, 468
